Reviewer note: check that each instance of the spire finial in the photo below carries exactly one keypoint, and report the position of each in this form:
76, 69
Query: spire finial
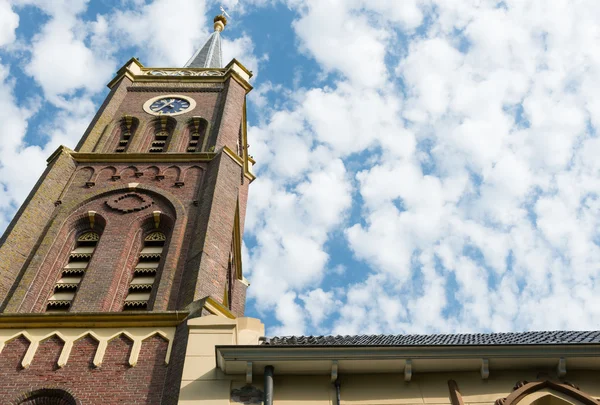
221, 20
220, 23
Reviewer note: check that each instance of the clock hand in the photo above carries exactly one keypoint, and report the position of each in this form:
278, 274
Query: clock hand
166, 105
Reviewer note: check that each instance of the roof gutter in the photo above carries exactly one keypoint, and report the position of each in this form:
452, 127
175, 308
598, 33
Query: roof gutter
280, 354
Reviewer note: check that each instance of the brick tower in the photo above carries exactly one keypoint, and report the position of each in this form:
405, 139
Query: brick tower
126, 238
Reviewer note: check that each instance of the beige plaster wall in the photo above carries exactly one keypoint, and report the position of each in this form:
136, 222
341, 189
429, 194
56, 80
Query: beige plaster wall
202, 382
432, 388
386, 389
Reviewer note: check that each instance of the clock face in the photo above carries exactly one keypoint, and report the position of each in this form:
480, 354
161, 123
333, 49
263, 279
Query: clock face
170, 105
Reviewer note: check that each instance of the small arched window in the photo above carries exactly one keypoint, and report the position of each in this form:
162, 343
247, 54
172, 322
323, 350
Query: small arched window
72, 274
197, 130
144, 274
163, 128
128, 126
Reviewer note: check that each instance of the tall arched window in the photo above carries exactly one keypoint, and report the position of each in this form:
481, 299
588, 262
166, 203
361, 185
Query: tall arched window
144, 274
198, 130
79, 258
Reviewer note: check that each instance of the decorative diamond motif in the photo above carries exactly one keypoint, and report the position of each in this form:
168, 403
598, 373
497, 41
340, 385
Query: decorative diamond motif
130, 202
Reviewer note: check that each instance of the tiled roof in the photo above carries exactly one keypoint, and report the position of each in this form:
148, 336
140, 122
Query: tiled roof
209, 56
475, 339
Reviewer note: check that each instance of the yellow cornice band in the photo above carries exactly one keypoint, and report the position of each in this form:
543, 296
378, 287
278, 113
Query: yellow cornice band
216, 308
95, 320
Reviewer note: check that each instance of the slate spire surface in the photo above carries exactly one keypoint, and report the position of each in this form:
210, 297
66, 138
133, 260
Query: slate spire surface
209, 56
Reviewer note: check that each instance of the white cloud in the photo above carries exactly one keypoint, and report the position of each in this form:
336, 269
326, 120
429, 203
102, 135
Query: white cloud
14, 180
481, 182
342, 40
9, 21
61, 62
241, 49
291, 224
290, 313
164, 41
319, 304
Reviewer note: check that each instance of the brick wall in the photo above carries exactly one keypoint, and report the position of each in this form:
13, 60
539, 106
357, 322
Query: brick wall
23, 235
115, 382
198, 199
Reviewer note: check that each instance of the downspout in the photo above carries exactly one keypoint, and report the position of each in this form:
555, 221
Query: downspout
269, 370
338, 399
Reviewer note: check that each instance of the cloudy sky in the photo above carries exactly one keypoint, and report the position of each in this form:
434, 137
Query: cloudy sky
423, 166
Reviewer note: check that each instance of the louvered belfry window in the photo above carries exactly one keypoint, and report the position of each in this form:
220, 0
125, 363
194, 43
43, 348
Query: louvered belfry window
72, 273
197, 134
126, 131
144, 273
161, 136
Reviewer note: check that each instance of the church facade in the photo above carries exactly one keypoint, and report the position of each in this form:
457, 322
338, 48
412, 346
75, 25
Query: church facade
127, 237
121, 279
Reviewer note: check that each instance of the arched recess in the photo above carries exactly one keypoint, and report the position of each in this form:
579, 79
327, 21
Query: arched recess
60, 239
535, 393
86, 231
47, 396
197, 134
549, 398
172, 175
130, 173
548, 393
85, 176
105, 174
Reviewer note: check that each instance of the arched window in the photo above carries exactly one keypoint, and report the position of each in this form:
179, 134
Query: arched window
546, 393
144, 274
163, 128
72, 273
128, 126
198, 131
49, 396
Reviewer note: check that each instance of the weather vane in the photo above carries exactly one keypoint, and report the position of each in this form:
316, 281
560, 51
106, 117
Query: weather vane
223, 12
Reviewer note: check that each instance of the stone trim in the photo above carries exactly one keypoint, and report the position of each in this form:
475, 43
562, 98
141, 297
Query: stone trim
92, 320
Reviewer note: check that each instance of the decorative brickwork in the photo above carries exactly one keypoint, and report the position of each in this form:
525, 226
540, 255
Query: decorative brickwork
115, 382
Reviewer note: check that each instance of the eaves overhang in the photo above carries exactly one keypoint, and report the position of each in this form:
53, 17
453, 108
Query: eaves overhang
396, 359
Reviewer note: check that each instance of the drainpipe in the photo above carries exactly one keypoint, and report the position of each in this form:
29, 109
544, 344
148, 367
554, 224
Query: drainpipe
338, 399
269, 385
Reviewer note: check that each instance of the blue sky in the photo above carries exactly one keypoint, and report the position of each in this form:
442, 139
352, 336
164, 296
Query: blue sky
423, 165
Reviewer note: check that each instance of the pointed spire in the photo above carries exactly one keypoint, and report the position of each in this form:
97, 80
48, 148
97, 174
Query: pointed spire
209, 56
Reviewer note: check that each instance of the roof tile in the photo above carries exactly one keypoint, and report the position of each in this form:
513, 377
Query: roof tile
475, 339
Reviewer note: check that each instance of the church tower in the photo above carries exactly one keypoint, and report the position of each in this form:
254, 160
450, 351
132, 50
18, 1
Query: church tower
129, 236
